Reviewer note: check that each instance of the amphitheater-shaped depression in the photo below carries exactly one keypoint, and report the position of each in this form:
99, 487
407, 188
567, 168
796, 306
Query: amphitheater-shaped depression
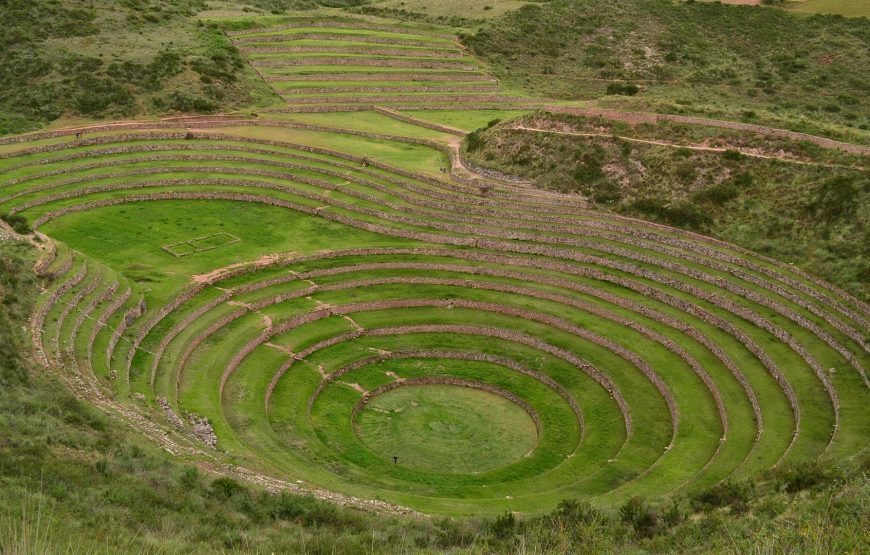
366, 301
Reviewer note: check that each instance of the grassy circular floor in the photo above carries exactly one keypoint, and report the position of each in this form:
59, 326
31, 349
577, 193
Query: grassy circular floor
446, 428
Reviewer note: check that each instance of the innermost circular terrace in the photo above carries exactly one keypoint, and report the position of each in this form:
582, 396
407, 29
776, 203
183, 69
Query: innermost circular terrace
447, 428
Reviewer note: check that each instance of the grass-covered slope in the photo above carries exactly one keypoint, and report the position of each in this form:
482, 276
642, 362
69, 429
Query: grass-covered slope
114, 60
792, 200
696, 57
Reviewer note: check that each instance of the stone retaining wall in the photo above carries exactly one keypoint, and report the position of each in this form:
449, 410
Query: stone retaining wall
461, 355
374, 51
131, 315
48, 256
360, 25
665, 298
371, 100
370, 39
38, 319
290, 93
561, 324
103, 320
363, 62
392, 76
523, 339
68, 307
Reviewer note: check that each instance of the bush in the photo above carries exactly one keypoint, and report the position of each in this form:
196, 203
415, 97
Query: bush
717, 194
590, 165
570, 511
735, 495
804, 476
100, 95
680, 215
625, 89
184, 102
835, 198
225, 488
504, 526
303, 509
474, 142
638, 514
17, 222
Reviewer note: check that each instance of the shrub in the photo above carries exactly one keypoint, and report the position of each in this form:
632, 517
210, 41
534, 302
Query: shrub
185, 102
590, 165
804, 476
225, 488
189, 478
474, 142
835, 198
686, 171
638, 514
625, 89
504, 526
683, 214
743, 180
17, 222
735, 495
717, 194
603, 192
304, 509
99, 94
571, 511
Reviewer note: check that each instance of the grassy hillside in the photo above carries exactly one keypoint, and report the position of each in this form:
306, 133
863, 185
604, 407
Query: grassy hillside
809, 214
114, 60
704, 58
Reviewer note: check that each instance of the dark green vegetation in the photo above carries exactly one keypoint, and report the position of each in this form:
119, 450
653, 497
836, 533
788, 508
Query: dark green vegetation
697, 57
808, 213
283, 6
101, 59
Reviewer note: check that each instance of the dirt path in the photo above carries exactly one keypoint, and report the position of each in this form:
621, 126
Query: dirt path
634, 118
744, 152
261, 262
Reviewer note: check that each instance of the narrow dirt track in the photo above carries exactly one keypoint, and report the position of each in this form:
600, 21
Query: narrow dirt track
690, 147
635, 118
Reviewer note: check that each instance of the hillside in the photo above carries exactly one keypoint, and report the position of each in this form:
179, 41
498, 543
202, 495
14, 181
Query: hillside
735, 62
788, 199
84, 59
